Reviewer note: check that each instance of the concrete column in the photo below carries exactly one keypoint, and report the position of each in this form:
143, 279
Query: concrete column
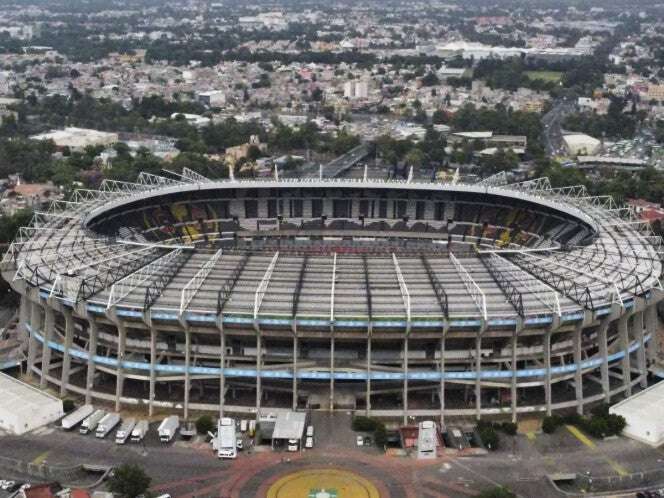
405, 380
23, 317
295, 351
93, 333
222, 373
637, 332
478, 371
442, 380
332, 344
119, 373
604, 356
513, 390
651, 329
33, 344
259, 361
578, 373
187, 376
547, 375
49, 326
153, 370
66, 358
368, 395
623, 335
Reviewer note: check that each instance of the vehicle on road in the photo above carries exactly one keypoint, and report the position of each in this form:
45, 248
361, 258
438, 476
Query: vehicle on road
125, 430
359, 440
77, 416
309, 442
226, 443
310, 431
91, 423
293, 445
107, 424
139, 431
168, 428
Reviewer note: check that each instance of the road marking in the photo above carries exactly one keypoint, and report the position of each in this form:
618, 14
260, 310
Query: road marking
40, 458
619, 469
581, 436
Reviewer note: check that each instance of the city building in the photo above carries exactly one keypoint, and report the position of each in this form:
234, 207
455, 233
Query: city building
77, 139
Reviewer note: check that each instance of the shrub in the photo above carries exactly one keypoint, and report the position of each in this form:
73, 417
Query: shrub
205, 424
489, 436
497, 492
597, 427
509, 428
365, 424
615, 423
551, 423
380, 436
574, 419
601, 410
68, 405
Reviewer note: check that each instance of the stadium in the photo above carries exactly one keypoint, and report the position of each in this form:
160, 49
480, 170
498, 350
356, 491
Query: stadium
390, 298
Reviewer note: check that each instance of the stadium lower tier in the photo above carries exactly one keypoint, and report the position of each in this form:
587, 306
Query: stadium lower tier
446, 372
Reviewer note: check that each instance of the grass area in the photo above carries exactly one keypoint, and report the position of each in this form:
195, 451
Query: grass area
553, 76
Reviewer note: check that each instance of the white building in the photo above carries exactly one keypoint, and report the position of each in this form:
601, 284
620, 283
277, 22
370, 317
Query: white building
78, 138
643, 414
25, 408
356, 89
580, 144
213, 98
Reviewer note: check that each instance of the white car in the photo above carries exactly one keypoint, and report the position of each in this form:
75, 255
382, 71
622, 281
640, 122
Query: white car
310, 431
239, 444
292, 445
309, 442
7, 484
360, 440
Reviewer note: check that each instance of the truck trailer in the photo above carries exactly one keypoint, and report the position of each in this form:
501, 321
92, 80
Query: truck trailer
90, 423
77, 416
125, 431
140, 430
226, 439
107, 424
168, 428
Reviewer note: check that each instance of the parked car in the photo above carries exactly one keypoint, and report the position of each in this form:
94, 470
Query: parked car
309, 442
360, 440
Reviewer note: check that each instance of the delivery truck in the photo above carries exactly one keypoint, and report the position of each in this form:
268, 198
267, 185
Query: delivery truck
168, 428
140, 430
77, 416
107, 424
125, 431
90, 423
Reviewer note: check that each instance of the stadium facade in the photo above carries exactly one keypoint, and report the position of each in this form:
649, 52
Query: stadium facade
394, 298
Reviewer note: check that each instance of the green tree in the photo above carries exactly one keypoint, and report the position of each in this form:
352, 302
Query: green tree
497, 492
129, 481
204, 424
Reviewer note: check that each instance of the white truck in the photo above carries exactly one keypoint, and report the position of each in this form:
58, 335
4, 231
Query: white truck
168, 428
77, 416
90, 423
107, 424
140, 430
125, 431
226, 439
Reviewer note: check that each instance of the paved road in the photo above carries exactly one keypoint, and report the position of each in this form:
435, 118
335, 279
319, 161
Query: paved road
188, 470
552, 122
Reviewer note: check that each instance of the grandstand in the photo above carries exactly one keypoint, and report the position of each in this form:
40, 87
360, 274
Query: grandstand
406, 298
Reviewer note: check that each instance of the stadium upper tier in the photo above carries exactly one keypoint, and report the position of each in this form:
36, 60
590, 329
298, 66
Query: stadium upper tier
342, 252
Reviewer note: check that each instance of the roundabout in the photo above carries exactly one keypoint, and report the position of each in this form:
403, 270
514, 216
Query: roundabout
323, 483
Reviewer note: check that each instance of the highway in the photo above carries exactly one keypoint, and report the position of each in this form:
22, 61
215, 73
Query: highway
552, 122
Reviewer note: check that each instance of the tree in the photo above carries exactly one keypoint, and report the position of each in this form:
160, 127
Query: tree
204, 424
497, 492
129, 481
415, 158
